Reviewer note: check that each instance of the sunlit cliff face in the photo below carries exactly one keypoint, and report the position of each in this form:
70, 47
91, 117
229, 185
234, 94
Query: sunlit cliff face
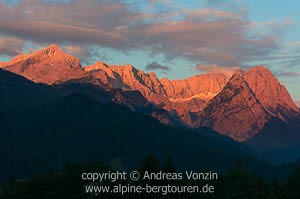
236, 105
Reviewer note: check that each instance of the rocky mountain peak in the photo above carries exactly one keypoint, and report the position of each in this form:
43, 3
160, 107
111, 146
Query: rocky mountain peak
237, 106
235, 111
270, 92
236, 78
128, 66
260, 69
53, 47
49, 65
97, 66
52, 50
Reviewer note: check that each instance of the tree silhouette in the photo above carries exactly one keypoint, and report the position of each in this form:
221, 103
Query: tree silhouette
169, 166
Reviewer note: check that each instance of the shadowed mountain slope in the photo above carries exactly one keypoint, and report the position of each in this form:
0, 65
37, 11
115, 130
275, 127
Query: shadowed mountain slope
195, 101
77, 128
278, 140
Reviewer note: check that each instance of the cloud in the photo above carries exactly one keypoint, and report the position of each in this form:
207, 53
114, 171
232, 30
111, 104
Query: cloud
226, 70
10, 45
77, 51
156, 66
295, 43
90, 22
287, 74
286, 57
218, 34
213, 36
86, 53
236, 6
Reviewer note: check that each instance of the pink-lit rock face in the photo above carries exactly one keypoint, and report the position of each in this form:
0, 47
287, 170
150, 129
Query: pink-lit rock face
237, 106
200, 86
240, 109
127, 77
235, 111
181, 96
49, 66
268, 90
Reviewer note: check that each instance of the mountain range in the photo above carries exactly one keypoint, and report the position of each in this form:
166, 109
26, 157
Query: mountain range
50, 128
241, 106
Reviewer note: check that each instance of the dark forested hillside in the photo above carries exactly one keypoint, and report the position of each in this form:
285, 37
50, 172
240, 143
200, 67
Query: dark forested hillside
77, 128
279, 141
41, 130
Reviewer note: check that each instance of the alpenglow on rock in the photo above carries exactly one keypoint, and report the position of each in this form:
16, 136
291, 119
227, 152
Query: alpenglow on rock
237, 106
